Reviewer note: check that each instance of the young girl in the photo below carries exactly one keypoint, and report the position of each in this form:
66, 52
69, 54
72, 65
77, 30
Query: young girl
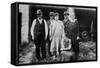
65, 50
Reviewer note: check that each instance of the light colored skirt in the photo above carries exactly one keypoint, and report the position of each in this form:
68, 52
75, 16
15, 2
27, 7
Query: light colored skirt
55, 44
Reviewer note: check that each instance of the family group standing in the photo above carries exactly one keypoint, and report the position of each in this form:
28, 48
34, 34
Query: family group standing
55, 33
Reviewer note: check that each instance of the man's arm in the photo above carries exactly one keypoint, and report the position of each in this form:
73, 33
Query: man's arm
46, 29
32, 28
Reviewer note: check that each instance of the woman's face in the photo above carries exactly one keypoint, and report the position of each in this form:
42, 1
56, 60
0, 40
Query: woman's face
56, 17
51, 17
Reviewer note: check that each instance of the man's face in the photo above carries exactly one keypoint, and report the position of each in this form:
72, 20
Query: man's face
39, 16
72, 16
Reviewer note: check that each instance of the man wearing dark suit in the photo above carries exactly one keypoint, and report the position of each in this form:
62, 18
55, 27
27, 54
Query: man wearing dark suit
72, 31
39, 33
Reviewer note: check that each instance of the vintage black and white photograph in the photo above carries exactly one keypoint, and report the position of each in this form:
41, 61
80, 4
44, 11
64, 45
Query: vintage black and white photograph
56, 34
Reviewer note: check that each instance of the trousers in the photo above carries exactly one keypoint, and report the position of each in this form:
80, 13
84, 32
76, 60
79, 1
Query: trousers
40, 49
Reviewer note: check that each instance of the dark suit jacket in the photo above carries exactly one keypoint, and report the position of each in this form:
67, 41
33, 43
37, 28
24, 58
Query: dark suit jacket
71, 29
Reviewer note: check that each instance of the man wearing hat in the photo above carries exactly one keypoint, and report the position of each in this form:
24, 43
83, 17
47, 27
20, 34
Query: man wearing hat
51, 15
71, 27
39, 33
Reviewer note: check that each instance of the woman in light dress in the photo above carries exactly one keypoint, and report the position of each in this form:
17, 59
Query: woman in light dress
56, 34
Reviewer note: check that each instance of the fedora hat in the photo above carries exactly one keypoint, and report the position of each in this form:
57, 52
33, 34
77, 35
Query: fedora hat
39, 12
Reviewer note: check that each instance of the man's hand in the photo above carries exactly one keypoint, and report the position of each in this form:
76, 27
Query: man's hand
33, 37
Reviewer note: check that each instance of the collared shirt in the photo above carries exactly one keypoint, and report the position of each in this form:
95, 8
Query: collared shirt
33, 25
40, 20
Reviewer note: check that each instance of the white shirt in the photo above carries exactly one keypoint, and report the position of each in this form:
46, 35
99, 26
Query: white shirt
33, 25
